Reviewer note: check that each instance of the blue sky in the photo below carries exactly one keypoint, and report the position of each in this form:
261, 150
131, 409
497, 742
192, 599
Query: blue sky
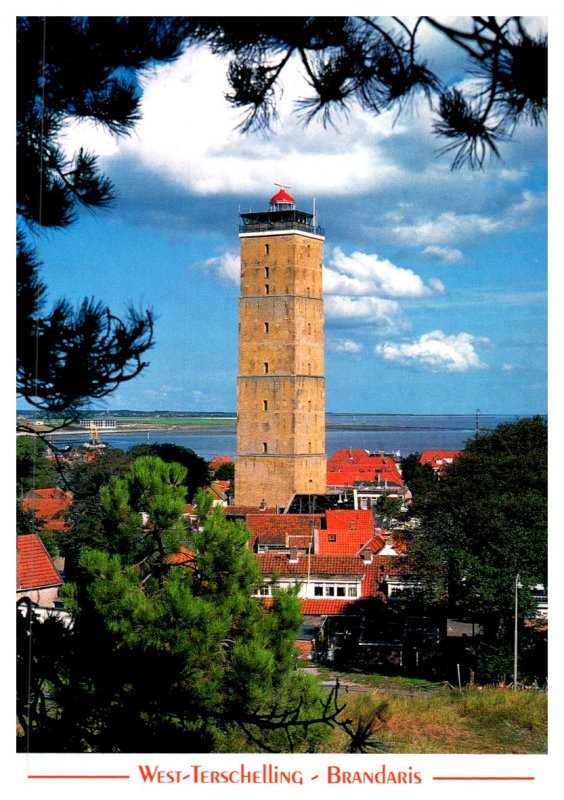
435, 282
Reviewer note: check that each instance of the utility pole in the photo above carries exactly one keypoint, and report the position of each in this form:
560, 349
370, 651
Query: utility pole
518, 586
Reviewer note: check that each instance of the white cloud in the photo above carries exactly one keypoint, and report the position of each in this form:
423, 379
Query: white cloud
188, 135
436, 350
450, 227
227, 266
443, 255
345, 346
385, 315
368, 274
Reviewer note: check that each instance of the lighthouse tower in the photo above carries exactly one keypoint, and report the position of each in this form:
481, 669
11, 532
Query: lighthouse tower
281, 383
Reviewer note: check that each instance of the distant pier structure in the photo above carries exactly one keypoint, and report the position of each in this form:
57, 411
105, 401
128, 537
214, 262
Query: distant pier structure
281, 374
101, 423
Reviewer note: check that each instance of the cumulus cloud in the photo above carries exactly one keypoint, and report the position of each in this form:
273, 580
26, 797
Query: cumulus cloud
437, 351
386, 316
345, 346
368, 274
227, 266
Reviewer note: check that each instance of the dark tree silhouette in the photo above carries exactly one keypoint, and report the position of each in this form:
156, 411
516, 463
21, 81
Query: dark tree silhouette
75, 68
374, 61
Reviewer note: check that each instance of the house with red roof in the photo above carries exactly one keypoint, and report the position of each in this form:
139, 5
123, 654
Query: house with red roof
36, 575
439, 460
217, 462
50, 505
365, 477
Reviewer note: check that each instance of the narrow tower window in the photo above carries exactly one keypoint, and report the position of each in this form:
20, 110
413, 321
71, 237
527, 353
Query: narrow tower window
265, 447
266, 249
266, 327
265, 405
266, 272
265, 367
309, 328
266, 288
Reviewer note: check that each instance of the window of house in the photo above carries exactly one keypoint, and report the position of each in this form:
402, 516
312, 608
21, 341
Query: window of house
318, 591
329, 591
352, 591
340, 591
264, 591
332, 537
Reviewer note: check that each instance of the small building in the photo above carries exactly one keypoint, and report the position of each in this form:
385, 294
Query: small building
50, 505
36, 575
439, 460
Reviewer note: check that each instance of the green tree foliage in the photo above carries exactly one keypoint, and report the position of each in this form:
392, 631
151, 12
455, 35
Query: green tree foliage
388, 507
196, 467
169, 650
33, 468
225, 472
484, 524
419, 478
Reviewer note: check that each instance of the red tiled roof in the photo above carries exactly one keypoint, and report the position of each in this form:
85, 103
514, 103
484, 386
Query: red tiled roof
438, 458
325, 606
346, 467
35, 570
217, 461
340, 457
290, 530
310, 564
50, 505
184, 556
349, 520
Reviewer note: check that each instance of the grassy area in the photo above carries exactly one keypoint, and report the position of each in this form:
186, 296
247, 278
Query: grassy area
176, 422
413, 718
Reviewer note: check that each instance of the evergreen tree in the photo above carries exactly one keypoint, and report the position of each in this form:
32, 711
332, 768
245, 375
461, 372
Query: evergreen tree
33, 468
169, 648
196, 467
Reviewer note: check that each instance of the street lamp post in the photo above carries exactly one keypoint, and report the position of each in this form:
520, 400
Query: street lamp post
517, 587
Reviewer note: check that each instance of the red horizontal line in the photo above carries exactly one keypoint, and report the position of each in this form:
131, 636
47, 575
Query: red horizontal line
484, 778
82, 777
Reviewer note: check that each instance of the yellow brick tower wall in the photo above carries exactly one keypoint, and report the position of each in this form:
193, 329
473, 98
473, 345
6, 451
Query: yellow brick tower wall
281, 383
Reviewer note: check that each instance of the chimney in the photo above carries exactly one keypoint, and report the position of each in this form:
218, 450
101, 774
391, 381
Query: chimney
366, 555
293, 556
